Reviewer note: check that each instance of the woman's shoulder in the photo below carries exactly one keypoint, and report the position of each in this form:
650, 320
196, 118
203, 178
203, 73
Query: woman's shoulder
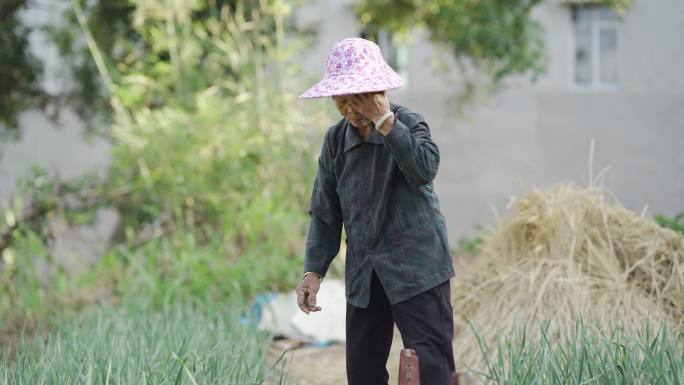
334, 137
335, 132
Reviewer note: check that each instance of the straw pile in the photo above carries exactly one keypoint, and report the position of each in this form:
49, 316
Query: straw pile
565, 252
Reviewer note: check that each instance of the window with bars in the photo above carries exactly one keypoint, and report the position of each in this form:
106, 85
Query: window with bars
596, 45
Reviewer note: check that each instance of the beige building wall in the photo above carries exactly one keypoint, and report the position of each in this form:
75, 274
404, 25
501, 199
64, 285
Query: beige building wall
528, 135
539, 134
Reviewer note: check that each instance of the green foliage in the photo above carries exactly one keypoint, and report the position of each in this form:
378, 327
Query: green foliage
110, 23
203, 343
498, 37
26, 302
144, 44
211, 165
180, 268
45, 193
214, 167
33, 286
619, 5
472, 245
19, 73
675, 223
209, 141
585, 356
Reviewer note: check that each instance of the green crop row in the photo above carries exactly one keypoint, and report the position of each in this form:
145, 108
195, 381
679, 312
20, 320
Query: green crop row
191, 343
585, 355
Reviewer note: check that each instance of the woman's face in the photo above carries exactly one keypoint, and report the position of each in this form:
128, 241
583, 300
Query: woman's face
345, 109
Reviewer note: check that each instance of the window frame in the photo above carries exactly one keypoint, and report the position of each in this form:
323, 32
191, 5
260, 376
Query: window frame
596, 25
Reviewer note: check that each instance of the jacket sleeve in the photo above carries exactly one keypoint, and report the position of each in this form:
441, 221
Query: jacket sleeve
325, 228
410, 143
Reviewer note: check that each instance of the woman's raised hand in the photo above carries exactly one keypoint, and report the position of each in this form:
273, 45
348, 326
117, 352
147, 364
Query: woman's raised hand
372, 105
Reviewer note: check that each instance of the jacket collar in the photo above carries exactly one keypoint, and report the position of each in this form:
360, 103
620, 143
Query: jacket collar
353, 139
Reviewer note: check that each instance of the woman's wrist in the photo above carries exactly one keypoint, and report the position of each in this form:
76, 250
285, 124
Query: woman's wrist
379, 121
320, 278
387, 125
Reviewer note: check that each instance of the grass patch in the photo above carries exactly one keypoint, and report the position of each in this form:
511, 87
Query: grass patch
584, 356
189, 343
180, 268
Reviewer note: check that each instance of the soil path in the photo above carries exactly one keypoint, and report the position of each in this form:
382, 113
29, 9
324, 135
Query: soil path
316, 366
326, 366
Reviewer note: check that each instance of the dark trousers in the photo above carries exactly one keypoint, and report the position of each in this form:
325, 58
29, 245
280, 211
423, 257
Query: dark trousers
425, 322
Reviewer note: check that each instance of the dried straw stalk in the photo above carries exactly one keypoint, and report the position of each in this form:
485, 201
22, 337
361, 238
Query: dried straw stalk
563, 253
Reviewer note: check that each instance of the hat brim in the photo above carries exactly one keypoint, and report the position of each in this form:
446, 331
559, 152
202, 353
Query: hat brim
345, 84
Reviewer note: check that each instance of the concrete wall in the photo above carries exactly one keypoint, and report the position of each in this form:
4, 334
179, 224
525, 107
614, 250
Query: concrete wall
61, 147
530, 134
538, 134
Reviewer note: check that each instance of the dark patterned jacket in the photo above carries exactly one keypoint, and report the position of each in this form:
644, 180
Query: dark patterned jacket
381, 190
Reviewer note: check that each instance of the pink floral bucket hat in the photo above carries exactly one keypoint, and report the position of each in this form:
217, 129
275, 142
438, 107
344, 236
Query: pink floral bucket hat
354, 66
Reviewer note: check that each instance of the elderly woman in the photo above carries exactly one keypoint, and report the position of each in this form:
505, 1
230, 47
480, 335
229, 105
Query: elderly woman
375, 174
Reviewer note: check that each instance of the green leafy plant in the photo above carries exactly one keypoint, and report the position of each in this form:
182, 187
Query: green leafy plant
180, 267
499, 39
20, 71
585, 355
472, 245
182, 343
27, 300
211, 162
675, 223
112, 25
209, 142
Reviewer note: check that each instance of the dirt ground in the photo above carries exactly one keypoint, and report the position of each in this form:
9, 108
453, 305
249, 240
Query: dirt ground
315, 365
318, 366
